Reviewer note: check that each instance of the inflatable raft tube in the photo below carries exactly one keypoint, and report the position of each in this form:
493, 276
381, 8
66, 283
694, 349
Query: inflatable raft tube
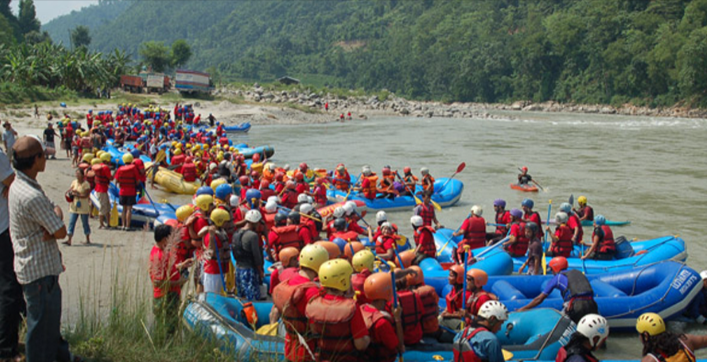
237, 128
172, 181
665, 288
143, 212
248, 152
445, 196
528, 335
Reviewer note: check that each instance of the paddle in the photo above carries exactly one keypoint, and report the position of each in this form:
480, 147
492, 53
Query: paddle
543, 262
571, 200
151, 202
466, 267
460, 168
395, 306
301, 214
535, 182
352, 186
362, 219
439, 252
494, 246
412, 192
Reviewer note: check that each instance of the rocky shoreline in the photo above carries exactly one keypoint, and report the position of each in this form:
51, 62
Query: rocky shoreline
395, 105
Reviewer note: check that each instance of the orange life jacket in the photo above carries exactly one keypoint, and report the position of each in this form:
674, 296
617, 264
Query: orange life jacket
288, 236
346, 235
430, 305
330, 323
376, 350
428, 182
341, 183
370, 191
285, 298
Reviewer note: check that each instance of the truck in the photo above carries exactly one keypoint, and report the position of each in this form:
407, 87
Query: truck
157, 83
190, 81
131, 83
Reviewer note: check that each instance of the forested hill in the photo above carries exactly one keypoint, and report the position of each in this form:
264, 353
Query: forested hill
590, 51
93, 17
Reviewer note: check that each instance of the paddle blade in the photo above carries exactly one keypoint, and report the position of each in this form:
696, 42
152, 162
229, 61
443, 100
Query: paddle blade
113, 222
571, 200
461, 167
507, 355
543, 263
402, 240
436, 206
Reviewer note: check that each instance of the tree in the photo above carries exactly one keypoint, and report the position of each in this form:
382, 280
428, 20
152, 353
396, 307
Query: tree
80, 37
28, 17
181, 52
156, 55
36, 37
7, 33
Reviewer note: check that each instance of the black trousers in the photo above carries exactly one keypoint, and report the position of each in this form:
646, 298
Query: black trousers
12, 303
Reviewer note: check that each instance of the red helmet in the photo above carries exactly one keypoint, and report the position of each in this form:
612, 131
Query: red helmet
386, 171
299, 176
244, 180
289, 184
558, 264
320, 180
256, 158
458, 270
254, 174
264, 184
406, 170
525, 169
303, 166
279, 176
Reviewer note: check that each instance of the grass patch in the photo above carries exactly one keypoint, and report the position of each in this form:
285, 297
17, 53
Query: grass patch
11, 93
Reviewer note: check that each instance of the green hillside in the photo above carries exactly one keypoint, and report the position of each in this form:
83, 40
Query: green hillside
591, 51
93, 17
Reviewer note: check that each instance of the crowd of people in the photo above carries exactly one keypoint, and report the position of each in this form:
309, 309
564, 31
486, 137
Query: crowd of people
336, 298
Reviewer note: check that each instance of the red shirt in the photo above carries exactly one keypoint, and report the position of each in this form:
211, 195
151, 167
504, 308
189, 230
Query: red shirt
159, 265
293, 350
305, 236
573, 222
383, 331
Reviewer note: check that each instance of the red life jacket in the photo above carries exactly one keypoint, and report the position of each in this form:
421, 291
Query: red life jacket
285, 298
463, 352
357, 281
288, 236
177, 160
189, 172
85, 142
475, 233
471, 302
101, 178
290, 199
380, 249
562, 356
563, 247
223, 141
91, 177
411, 316
127, 177
370, 191
330, 323
430, 305
376, 350
346, 235
426, 248
607, 245
520, 247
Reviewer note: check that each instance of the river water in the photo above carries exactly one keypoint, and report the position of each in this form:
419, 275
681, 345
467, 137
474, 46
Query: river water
652, 171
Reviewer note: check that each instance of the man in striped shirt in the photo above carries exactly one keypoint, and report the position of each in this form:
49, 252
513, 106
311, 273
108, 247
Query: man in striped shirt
35, 226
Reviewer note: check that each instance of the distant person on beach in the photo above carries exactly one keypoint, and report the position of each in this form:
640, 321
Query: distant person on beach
8, 137
49, 134
212, 119
79, 207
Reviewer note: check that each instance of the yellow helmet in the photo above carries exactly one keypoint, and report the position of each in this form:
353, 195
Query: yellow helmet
218, 182
105, 157
363, 260
336, 274
177, 152
87, 157
127, 158
582, 200
174, 143
183, 212
203, 202
313, 256
204, 146
95, 161
650, 323
179, 146
219, 157
220, 216
96, 123
188, 145
99, 153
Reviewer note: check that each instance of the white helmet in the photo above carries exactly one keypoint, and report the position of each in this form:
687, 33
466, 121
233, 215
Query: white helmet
271, 207
366, 170
273, 199
424, 170
310, 199
212, 166
703, 274
349, 207
381, 216
416, 220
302, 198
306, 208
234, 200
493, 308
386, 225
270, 166
286, 167
592, 326
561, 217
339, 212
253, 216
477, 210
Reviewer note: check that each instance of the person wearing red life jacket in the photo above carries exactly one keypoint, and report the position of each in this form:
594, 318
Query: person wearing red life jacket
283, 236
288, 197
335, 321
562, 237
382, 217
474, 231
427, 211
451, 317
502, 218
103, 177
517, 244
369, 182
478, 341
415, 282
476, 279
265, 190
592, 332
386, 243
363, 264
290, 300
341, 178
573, 222
319, 193
188, 170
412, 310
585, 212
424, 239
127, 177
384, 329
340, 230
529, 215
307, 222
603, 246
285, 268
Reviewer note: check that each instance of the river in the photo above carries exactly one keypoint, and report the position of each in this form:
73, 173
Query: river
651, 171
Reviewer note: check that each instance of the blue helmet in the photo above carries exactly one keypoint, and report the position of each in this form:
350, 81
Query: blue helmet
341, 243
499, 202
527, 203
90, 111
565, 207
135, 152
223, 191
600, 220
251, 195
204, 190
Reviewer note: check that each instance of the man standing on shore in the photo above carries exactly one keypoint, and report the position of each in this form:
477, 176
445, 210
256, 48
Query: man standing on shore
35, 226
49, 134
8, 137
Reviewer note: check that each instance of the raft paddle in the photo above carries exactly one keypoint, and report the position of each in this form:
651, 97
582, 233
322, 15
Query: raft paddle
460, 168
352, 186
571, 200
466, 267
543, 262
494, 246
301, 214
395, 306
439, 252
407, 188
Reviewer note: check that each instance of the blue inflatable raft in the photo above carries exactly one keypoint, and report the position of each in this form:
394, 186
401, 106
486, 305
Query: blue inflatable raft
629, 254
142, 212
665, 288
237, 128
536, 334
116, 154
445, 196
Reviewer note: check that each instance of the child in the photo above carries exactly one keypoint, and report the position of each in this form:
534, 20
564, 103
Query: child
165, 275
535, 250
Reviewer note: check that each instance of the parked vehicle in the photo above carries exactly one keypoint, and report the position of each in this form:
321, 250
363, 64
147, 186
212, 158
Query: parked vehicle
190, 81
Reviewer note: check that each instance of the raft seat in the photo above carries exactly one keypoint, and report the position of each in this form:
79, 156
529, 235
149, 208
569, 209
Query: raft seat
604, 289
